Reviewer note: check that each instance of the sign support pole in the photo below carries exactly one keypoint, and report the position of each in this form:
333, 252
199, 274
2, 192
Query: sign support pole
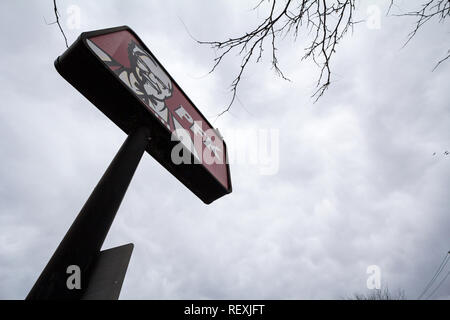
81, 245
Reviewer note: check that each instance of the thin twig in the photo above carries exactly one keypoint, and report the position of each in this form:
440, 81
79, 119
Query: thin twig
429, 10
55, 8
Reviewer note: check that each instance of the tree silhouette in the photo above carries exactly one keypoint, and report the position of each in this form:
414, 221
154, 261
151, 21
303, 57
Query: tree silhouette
379, 294
328, 21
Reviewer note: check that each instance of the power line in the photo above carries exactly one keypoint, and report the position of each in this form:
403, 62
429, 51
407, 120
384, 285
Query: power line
436, 275
438, 271
439, 285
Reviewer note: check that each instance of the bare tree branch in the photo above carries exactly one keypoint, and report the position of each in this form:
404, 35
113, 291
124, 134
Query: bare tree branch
442, 60
326, 21
429, 10
55, 9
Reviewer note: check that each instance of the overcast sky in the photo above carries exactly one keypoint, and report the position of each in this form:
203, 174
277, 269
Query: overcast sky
362, 178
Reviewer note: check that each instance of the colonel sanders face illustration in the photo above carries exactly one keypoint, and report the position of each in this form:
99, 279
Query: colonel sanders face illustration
144, 76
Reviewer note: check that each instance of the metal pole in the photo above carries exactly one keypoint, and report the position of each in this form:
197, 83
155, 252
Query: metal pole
82, 243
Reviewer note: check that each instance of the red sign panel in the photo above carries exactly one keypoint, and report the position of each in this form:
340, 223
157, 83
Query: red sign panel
140, 71
149, 85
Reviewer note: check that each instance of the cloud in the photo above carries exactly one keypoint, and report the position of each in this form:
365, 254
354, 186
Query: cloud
357, 185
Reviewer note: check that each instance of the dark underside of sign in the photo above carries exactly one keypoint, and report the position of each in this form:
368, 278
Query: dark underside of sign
98, 84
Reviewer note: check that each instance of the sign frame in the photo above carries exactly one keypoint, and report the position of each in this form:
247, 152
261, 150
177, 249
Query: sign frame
120, 104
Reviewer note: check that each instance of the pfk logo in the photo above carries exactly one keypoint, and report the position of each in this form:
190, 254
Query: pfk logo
145, 77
